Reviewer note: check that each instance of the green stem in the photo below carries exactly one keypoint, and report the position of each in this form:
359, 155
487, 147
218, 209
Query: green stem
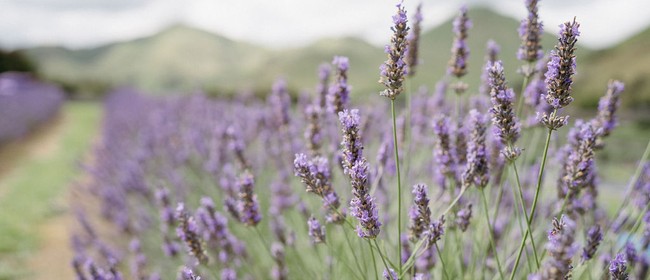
383, 259
520, 102
532, 210
442, 262
462, 191
492, 243
374, 262
523, 209
356, 259
399, 188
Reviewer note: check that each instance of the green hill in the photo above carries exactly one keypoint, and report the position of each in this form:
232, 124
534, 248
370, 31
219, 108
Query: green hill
183, 58
629, 62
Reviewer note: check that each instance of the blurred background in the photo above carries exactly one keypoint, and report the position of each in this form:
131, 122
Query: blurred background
75, 51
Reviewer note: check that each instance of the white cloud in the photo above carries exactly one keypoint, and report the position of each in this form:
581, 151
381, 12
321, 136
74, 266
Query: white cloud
81, 23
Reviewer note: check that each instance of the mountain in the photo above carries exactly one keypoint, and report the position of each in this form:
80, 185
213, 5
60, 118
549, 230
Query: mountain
628, 61
183, 58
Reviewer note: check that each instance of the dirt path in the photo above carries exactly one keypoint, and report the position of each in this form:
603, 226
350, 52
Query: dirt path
39, 143
52, 260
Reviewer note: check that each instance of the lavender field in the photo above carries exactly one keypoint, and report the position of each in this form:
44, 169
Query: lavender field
494, 172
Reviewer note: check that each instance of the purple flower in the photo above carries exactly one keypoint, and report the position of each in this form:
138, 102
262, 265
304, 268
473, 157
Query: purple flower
618, 268
413, 42
419, 213
316, 231
476, 171
594, 236
463, 216
460, 50
351, 143
315, 174
394, 69
363, 206
248, 206
390, 274
188, 232
506, 124
530, 32
435, 231
607, 107
491, 56
444, 152
324, 71
188, 274
580, 162
280, 270
561, 248
228, 274
561, 67
313, 134
338, 96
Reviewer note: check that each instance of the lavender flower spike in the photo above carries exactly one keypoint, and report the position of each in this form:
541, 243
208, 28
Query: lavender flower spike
559, 76
338, 96
351, 143
363, 206
315, 174
561, 67
390, 274
506, 124
316, 231
607, 107
394, 69
618, 268
594, 236
188, 274
420, 213
249, 209
324, 71
414, 41
561, 248
459, 49
188, 231
476, 171
491, 56
435, 231
530, 32
580, 163
443, 153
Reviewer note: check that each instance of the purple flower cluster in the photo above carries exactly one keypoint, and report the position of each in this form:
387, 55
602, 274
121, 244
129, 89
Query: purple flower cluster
459, 49
394, 69
476, 172
188, 231
24, 103
561, 248
491, 56
530, 32
559, 76
315, 174
419, 213
411, 53
506, 124
338, 96
248, 207
607, 107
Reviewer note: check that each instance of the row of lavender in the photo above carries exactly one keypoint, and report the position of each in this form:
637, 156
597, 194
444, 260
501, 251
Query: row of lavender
196, 188
24, 103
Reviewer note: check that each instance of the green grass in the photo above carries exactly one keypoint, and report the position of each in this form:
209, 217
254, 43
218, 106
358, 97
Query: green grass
30, 190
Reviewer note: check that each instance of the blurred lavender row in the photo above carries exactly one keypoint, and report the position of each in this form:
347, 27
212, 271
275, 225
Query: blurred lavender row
25, 102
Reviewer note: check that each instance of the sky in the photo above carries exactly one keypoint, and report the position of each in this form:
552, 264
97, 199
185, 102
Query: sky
283, 23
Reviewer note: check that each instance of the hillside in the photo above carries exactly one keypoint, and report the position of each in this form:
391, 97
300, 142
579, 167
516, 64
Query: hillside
628, 62
183, 58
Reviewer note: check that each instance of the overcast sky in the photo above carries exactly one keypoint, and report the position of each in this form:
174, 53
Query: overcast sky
279, 23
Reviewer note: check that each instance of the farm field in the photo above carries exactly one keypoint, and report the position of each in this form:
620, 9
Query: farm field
397, 141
